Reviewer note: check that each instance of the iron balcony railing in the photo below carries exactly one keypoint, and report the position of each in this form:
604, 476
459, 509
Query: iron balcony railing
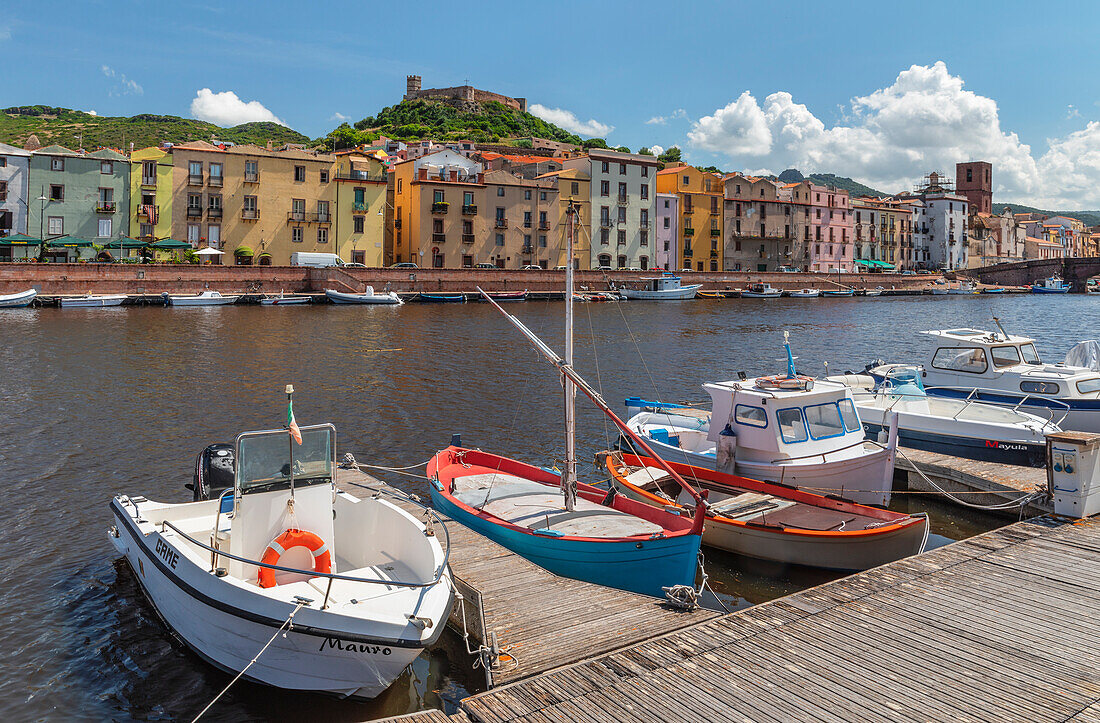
250, 214
298, 216
469, 209
194, 179
361, 176
501, 223
194, 212
439, 238
214, 212
251, 176
320, 217
106, 207
467, 238
440, 207
360, 206
216, 181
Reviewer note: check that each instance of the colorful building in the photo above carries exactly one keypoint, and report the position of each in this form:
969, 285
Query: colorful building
668, 232
151, 194
15, 169
360, 200
701, 206
766, 223
574, 188
881, 229
831, 244
436, 217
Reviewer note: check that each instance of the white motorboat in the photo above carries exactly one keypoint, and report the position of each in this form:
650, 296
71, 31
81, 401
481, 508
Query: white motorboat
206, 298
284, 300
667, 287
92, 301
998, 368
761, 291
877, 291
959, 427
344, 592
18, 300
785, 428
367, 297
964, 288
804, 293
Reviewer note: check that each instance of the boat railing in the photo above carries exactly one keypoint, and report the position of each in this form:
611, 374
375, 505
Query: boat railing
433, 518
823, 455
968, 401
973, 396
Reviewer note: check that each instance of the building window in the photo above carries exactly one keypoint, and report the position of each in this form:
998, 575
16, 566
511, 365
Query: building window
104, 227
468, 198
57, 164
500, 190
644, 220
622, 214
106, 167
645, 190
542, 195
357, 222
527, 243
542, 240
57, 192
467, 261
527, 194
322, 235
322, 212
574, 188
499, 239
55, 226
299, 173
214, 236
686, 180
324, 176
605, 237
605, 188
193, 233
296, 234
644, 237
146, 229
605, 167
622, 169
250, 204
622, 238
645, 171
527, 219
668, 222
437, 196
437, 225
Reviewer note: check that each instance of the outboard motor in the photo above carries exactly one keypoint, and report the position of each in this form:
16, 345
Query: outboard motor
215, 468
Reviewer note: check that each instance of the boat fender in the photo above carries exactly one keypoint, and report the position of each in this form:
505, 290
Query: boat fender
609, 498
322, 557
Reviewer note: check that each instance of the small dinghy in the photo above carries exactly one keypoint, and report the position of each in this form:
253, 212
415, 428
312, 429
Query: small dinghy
839, 292
873, 292
724, 294
92, 301
19, 300
367, 297
424, 298
206, 298
275, 574
507, 295
774, 522
804, 293
284, 300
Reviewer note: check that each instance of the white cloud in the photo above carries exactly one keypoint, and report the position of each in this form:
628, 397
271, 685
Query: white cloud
1072, 112
570, 122
660, 120
924, 121
123, 85
91, 112
5, 33
656, 150
227, 109
340, 117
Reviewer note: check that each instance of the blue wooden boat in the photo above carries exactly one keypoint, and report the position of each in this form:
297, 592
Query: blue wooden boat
1051, 285
440, 298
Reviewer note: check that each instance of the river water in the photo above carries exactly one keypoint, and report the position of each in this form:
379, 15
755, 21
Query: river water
99, 401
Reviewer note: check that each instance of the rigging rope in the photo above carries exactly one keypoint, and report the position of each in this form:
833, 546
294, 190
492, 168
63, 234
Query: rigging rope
1020, 502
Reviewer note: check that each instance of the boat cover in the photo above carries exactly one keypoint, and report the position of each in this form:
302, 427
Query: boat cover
1085, 354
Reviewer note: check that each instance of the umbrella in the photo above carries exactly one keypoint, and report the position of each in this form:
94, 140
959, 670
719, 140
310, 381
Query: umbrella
208, 251
126, 243
167, 244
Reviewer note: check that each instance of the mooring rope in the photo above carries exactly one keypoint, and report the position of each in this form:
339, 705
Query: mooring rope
1020, 502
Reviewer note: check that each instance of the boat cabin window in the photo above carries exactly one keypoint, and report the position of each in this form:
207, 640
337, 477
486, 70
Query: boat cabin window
1030, 355
752, 416
1088, 386
264, 459
792, 426
824, 421
849, 416
960, 360
1040, 387
1005, 356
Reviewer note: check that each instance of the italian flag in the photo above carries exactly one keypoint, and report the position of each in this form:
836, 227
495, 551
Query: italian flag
292, 426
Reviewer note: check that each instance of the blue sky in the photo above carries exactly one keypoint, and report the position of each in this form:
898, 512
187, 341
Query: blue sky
1017, 84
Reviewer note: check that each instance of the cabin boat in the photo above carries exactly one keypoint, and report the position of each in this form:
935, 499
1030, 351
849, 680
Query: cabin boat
958, 427
389, 298
666, 287
804, 293
346, 592
877, 291
17, 300
761, 291
206, 298
92, 301
774, 522
963, 288
1050, 285
1002, 369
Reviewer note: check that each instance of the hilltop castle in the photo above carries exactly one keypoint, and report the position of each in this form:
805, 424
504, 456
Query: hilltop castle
467, 93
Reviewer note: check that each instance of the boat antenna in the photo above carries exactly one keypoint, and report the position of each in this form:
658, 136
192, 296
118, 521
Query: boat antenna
569, 473
290, 436
998, 323
790, 357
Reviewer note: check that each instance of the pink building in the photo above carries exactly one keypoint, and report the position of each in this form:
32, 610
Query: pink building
831, 241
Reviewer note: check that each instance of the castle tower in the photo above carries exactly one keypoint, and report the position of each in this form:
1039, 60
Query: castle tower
975, 181
412, 86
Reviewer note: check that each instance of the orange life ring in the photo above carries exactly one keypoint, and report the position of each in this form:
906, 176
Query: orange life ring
322, 558
783, 382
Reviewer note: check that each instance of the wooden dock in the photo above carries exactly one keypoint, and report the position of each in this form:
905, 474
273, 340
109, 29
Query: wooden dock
1000, 626
988, 482
539, 621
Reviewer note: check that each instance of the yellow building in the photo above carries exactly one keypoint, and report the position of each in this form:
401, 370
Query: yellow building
435, 210
574, 187
360, 201
702, 203
151, 193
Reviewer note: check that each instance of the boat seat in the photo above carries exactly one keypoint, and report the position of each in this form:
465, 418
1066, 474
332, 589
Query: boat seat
748, 505
537, 506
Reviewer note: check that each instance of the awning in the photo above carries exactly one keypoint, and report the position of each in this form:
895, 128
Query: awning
68, 242
125, 243
168, 244
864, 262
19, 239
871, 263
243, 251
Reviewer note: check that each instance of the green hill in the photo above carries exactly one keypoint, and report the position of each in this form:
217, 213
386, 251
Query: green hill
442, 120
1089, 218
853, 187
73, 128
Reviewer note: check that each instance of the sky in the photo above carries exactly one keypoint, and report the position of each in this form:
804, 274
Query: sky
881, 92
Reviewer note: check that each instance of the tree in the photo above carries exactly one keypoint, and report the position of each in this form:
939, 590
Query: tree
672, 155
643, 151
623, 149
524, 143
594, 143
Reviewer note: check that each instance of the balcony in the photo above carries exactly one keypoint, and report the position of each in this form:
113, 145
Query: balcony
527, 223
501, 223
643, 224
605, 223
214, 212
147, 182
215, 181
527, 250
194, 212
251, 176
623, 200
544, 225
194, 179
250, 214
320, 217
689, 231
469, 209
440, 207
361, 176
716, 232
687, 250
467, 238
143, 211
106, 207
439, 238
296, 216
360, 206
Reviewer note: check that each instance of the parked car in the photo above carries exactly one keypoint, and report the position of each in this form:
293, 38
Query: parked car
685, 271
405, 265
354, 265
484, 265
787, 270
632, 268
305, 258
533, 267
603, 268
909, 272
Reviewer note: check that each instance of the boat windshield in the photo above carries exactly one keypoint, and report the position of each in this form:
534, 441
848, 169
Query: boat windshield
264, 459
1030, 355
1005, 356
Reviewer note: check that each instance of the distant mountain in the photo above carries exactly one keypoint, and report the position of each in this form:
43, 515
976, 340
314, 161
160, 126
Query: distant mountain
791, 175
853, 187
1089, 218
74, 128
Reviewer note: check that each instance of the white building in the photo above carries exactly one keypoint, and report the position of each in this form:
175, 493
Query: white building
940, 237
15, 164
624, 207
667, 254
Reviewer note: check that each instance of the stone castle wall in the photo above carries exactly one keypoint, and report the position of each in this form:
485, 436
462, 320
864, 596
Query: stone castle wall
466, 93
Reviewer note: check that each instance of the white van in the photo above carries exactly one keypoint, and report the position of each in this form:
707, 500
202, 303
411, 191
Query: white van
303, 258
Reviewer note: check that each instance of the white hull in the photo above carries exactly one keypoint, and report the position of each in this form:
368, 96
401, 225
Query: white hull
684, 292
285, 301
204, 299
16, 301
92, 301
874, 292
805, 294
761, 295
340, 297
